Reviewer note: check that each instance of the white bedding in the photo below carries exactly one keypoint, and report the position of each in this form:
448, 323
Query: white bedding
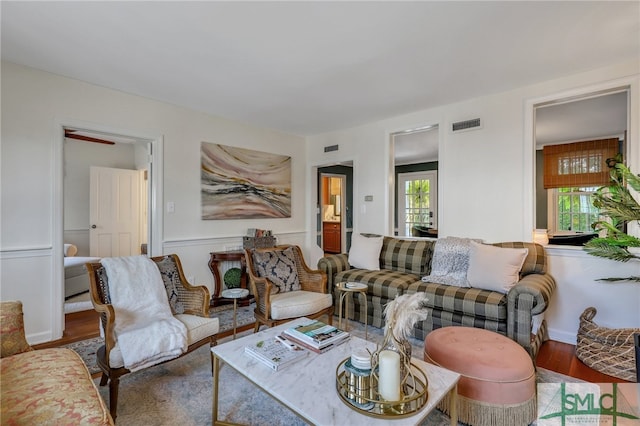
76, 277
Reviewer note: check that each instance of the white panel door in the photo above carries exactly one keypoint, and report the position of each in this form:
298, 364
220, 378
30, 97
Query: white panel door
115, 212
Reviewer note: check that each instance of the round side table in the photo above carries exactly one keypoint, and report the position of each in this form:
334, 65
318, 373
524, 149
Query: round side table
235, 294
345, 288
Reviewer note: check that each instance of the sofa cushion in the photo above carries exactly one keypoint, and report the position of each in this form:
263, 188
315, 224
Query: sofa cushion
410, 256
536, 260
473, 302
198, 328
296, 304
384, 283
49, 386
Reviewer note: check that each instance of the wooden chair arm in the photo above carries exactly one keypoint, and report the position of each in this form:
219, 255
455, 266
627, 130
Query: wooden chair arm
260, 287
310, 279
195, 299
106, 311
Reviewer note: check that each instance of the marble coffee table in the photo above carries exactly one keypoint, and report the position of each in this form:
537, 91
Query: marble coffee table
301, 385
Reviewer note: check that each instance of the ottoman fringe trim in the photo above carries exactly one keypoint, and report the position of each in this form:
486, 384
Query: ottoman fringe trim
477, 413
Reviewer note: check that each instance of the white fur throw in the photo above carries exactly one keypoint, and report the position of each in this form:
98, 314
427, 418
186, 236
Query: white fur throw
146, 331
450, 262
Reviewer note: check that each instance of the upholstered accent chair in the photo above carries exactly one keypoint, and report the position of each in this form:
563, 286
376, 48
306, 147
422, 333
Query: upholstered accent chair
284, 286
189, 304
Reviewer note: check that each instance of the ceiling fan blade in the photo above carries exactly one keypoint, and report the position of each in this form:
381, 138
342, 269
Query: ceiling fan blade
68, 134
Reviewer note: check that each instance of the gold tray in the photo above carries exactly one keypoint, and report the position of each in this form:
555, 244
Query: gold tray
414, 396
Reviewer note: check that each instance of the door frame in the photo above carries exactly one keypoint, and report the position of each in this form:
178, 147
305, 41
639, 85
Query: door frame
155, 144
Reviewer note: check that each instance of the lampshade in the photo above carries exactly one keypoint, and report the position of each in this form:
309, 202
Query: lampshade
540, 236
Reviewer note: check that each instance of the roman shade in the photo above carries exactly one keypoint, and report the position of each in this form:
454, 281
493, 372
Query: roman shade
579, 163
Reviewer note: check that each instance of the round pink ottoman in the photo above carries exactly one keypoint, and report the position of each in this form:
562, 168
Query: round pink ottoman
498, 382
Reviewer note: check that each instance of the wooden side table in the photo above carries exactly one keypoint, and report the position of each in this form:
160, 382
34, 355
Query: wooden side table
227, 256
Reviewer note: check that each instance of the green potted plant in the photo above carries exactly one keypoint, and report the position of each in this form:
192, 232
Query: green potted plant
616, 202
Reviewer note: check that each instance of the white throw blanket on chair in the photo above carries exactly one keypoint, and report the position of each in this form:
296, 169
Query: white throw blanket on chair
146, 331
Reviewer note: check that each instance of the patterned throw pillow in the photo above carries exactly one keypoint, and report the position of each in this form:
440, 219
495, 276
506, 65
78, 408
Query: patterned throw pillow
171, 278
279, 267
12, 338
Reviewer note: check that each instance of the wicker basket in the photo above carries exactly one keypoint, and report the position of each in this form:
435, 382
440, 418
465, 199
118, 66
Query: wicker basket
608, 350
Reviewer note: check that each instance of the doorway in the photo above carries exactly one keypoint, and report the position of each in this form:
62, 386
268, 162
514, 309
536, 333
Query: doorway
83, 150
415, 184
334, 204
331, 208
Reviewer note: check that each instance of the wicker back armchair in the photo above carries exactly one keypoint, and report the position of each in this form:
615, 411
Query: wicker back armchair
274, 305
194, 314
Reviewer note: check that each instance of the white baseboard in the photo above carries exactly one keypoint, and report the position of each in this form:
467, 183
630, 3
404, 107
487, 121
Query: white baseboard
563, 336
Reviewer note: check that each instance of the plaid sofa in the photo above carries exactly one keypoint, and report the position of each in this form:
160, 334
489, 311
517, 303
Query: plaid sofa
404, 262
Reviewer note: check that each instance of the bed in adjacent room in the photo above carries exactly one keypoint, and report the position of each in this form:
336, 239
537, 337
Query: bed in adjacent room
76, 278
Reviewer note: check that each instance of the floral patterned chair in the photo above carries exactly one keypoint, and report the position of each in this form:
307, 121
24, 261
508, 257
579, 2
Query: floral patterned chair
45, 386
285, 287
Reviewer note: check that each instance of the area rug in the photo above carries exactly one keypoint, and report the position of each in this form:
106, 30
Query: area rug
181, 391
244, 316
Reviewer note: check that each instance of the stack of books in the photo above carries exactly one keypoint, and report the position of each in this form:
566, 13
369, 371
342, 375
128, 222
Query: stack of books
316, 336
274, 353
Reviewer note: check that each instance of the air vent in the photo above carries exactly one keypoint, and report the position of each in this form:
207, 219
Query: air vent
330, 148
462, 126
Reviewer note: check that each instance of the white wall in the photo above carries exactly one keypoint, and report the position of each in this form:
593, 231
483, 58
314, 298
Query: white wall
485, 185
35, 104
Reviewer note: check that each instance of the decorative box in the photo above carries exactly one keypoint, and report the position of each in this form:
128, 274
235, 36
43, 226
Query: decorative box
258, 242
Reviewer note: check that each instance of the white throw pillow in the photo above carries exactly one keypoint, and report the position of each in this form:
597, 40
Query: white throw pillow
365, 252
495, 268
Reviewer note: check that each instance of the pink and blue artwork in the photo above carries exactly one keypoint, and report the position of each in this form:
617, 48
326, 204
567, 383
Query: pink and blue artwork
239, 183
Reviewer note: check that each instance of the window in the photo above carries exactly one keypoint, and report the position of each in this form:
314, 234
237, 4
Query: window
572, 173
573, 209
416, 202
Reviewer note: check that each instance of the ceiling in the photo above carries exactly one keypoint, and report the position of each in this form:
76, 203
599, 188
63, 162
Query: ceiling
311, 67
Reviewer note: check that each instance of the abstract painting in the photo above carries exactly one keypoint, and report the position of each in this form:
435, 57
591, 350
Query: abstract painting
238, 183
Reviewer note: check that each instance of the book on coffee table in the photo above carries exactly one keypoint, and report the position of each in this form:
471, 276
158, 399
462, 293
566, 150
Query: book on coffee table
317, 334
310, 347
274, 353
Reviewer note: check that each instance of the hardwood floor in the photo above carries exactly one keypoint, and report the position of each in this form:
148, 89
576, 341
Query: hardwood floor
561, 358
78, 326
554, 356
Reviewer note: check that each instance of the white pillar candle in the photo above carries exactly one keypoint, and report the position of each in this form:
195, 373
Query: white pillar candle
389, 382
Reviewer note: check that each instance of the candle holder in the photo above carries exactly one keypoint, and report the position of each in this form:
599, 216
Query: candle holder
401, 347
369, 402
